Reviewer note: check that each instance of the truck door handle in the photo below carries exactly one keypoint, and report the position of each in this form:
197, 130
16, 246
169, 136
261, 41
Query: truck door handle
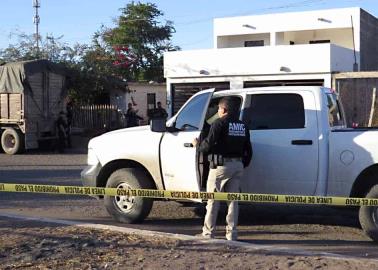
188, 145
301, 142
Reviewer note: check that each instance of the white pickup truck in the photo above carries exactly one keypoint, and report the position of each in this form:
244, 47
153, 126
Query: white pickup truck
300, 147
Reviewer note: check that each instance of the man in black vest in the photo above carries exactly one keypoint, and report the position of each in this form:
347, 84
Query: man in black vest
132, 117
160, 112
230, 151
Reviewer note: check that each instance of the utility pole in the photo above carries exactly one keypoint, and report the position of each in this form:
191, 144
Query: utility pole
36, 5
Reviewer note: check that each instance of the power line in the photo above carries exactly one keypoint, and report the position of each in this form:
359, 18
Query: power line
303, 3
183, 23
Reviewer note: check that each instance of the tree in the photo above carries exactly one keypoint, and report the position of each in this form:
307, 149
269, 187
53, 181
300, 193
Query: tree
94, 76
87, 79
139, 41
131, 51
85, 85
51, 48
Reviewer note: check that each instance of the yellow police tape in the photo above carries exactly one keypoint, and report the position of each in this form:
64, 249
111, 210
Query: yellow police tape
167, 194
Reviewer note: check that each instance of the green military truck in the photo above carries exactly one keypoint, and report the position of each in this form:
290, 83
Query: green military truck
31, 96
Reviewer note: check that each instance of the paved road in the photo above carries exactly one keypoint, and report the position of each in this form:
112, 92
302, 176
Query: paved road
318, 229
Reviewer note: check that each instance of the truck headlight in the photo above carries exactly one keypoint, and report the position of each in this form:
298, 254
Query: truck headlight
92, 158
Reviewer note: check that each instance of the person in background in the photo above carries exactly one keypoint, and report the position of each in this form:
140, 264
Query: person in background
61, 126
132, 119
230, 151
69, 110
160, 112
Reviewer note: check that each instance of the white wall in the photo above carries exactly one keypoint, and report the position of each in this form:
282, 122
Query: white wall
280, 39
343, 59
341, 37
281, 22
139, 91
298, 59
238, 41
230, 61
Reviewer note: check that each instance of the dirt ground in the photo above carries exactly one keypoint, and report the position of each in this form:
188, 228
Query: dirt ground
36, 245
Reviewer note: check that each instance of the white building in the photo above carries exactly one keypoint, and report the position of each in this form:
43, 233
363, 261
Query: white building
303, 48
143, 95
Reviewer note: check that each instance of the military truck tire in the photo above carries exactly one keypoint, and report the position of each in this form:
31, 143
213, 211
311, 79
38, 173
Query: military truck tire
12, 141
368, 216
128, 209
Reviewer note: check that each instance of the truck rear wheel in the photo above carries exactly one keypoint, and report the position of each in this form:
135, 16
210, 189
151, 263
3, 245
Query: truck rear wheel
128, 209
368, 215
12, 141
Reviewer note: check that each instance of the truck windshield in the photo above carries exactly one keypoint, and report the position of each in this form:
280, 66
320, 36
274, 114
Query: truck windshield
334, 115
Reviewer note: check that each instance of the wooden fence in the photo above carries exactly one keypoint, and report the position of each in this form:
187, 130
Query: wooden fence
98, 117
358, 92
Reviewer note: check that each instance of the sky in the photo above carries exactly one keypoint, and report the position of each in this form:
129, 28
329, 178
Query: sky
78, 20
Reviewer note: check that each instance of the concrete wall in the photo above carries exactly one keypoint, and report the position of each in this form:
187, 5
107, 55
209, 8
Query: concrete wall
340, 37
342, 59
238, 41
139, 91
267, 60
319, 20
369, 42
231, 62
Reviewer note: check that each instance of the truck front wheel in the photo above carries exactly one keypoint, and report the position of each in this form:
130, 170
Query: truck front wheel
12, 141
128, 209
368, 215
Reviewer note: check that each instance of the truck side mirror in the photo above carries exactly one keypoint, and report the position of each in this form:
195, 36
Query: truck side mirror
158, 125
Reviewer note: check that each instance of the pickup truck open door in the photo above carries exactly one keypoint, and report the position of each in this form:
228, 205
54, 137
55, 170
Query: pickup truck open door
179, 161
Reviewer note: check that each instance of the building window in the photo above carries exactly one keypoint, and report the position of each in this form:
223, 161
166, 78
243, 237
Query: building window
253, 43
151, 101
275, 111
151, 104
320, 41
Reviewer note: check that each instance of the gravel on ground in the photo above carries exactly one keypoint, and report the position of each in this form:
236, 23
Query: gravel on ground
38, 245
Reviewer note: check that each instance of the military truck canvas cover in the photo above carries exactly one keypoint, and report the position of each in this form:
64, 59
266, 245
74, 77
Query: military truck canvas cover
31, 96
14, 76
